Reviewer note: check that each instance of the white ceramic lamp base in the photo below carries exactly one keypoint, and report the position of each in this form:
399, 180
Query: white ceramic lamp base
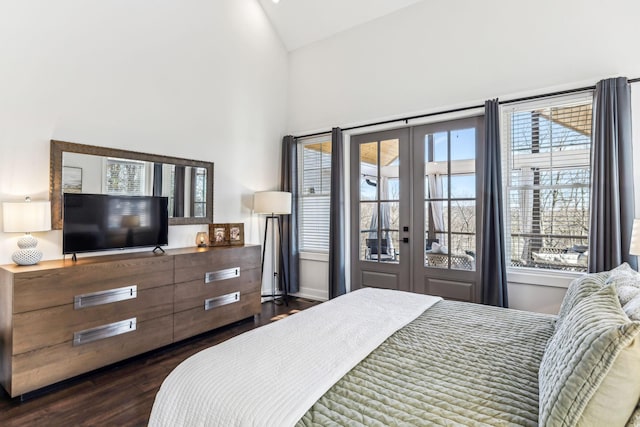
28, 254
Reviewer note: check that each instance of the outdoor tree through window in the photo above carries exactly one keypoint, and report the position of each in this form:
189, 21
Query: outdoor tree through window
548, 183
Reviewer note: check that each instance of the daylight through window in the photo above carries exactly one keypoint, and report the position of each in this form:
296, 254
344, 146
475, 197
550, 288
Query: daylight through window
315, 189
548, 177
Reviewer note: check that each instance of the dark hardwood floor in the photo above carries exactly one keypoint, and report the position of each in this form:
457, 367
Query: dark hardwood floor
122, 394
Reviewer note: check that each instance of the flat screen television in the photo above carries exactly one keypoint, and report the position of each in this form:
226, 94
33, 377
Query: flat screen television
97, 222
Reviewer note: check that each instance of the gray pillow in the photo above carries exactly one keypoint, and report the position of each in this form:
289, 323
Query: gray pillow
590, 371
579, 289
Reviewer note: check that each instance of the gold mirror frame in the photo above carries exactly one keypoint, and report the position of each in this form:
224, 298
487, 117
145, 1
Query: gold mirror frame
57, 148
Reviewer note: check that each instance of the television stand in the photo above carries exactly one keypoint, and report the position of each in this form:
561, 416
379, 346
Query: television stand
74, 258
158, 248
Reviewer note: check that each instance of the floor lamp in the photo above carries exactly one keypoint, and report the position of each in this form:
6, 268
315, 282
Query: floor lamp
273, 204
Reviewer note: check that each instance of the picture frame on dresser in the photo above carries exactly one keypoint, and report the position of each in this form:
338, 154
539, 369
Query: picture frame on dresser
236, 234
218, 234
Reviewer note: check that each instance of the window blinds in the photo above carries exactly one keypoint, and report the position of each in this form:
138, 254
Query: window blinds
548, 177
314, 197
125, 177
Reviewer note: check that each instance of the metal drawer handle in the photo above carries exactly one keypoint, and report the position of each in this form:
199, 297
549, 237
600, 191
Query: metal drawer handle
214, 276
104, 331
105, 297
221, 300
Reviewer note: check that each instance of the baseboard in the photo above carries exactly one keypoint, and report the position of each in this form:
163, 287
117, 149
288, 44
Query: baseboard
312, 294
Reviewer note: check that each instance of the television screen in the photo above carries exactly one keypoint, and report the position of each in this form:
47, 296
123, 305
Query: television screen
96, 222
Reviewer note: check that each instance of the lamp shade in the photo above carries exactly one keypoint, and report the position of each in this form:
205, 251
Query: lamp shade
272, 202
26, 217
634, 248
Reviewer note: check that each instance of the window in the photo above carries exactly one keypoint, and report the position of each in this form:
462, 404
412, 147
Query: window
125, 177
548, 151
315, 189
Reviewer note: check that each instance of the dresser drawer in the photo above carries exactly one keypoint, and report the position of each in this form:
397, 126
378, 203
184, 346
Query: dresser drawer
55, 325
197, 320
39, 368
195, 266
34, 290
192, 294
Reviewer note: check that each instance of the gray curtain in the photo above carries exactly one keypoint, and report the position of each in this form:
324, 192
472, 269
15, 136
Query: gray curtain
337, 255
178, 191
290, 246
157, 179
494, 269
612, 201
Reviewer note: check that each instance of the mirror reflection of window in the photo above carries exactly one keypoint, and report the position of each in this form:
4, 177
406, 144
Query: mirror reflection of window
127, 177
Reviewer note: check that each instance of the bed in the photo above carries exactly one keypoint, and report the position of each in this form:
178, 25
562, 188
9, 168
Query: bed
377, 357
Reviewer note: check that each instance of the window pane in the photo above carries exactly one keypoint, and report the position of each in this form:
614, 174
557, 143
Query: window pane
548, 189
314, 200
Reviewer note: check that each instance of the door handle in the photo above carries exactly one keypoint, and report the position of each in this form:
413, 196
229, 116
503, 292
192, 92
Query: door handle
405, 240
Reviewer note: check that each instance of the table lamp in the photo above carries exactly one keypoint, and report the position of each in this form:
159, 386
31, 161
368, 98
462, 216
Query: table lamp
26, 217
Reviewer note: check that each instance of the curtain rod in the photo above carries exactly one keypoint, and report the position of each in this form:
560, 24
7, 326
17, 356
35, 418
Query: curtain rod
457, 110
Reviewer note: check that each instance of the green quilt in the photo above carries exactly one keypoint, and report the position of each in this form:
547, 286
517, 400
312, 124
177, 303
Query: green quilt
456, 364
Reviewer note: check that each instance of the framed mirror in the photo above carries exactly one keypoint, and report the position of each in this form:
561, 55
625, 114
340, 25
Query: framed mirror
83, 168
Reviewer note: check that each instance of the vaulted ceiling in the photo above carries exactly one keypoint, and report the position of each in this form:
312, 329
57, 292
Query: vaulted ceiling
302, 22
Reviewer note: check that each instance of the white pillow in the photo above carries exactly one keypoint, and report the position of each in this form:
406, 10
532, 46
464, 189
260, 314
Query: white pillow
437, 248
632, 308
627, 292
627, 283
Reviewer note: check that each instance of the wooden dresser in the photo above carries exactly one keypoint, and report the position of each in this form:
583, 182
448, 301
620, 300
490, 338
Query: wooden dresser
59, 319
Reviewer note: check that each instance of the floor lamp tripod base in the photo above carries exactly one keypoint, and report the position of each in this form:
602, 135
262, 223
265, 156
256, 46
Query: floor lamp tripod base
276, 297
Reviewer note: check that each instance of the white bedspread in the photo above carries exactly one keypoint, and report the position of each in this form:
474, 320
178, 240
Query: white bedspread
272, 375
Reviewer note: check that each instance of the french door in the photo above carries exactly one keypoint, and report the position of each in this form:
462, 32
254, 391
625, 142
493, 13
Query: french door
416, 209
380, 212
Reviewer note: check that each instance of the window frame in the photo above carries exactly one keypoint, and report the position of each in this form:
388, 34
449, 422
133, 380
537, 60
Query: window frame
304, 196
555, 277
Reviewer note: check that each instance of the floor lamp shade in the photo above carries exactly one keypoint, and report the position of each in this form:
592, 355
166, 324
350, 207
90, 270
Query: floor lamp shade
272, 202
26, 217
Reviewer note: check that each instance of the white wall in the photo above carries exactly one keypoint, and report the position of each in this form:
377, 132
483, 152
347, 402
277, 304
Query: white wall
434, 56
189, 78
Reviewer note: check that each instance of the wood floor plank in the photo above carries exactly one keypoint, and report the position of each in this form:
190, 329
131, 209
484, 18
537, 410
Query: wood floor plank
123, 394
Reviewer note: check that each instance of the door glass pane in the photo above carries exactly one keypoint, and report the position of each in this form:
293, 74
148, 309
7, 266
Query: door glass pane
389, 231
463, 257
463, 186
463, 144
463, 216
389, 170
439, 151
369, 171
368, 210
